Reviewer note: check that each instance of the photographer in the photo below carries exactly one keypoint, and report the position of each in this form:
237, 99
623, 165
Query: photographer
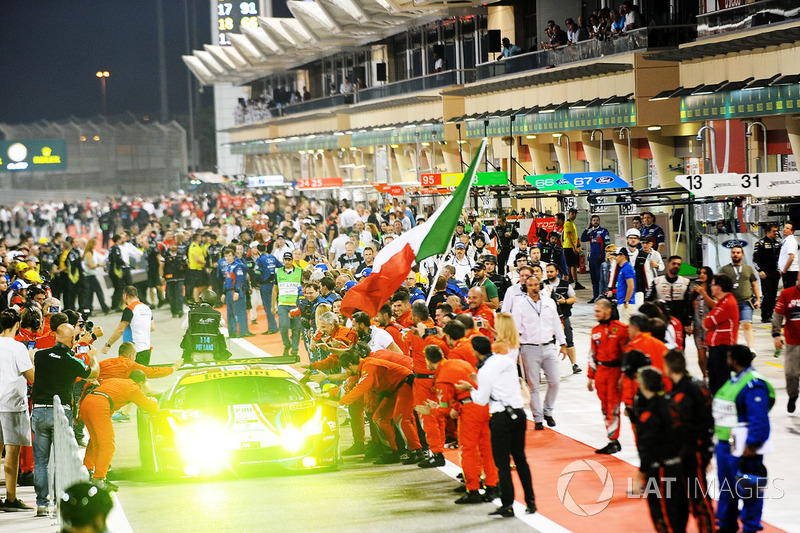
506, 235
564, 296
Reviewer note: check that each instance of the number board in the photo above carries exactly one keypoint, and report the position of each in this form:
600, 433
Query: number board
232, 16
453, 179
761, 185
319, 183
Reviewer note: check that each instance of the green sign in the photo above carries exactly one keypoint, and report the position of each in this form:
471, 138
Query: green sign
611, 116
550, 182
38, 155
779, 100
485, 179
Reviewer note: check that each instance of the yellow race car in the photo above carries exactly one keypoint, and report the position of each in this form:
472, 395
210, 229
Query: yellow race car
221, 417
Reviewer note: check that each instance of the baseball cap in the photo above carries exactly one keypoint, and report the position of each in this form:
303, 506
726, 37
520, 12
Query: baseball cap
254, 244
572, 210
633, 232
479, 266
647, 239
459, 245
489, 259
460, 223
288, 255
621, 251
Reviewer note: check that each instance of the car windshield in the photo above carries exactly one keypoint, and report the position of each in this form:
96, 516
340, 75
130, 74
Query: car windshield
238, 390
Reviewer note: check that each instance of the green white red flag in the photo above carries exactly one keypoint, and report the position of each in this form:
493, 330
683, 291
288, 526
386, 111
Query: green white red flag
394, 261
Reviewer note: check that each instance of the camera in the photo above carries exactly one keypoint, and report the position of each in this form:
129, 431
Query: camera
479, 323
82, 349
430, 331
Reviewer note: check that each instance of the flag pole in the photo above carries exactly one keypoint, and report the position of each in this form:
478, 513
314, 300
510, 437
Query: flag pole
439, 262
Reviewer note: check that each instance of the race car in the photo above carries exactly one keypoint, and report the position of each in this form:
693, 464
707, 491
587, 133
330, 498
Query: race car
222, 417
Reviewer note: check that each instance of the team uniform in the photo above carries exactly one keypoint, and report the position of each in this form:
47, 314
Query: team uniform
605, 361
598, 238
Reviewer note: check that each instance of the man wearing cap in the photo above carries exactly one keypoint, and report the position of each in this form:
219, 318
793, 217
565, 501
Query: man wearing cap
283, 301
625, 285
350, 259
639, 260
651, 229
598, 238
552, 252
480, 279
264, 269
499, 281
213, 255
458, 233
461, 262
282, 245
572, 247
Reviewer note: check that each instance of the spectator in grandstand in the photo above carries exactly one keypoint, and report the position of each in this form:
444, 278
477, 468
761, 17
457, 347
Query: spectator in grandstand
509, 49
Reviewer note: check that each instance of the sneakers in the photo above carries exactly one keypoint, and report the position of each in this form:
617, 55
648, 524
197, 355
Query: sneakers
15, 506
355, 449
593, 300
578, 286
413, 457
531, 508
107, 484
434, 461
42, 510
550, 420
576, 369
469, 497
503, 512
120, 417
792, 405
539, 426
612, 447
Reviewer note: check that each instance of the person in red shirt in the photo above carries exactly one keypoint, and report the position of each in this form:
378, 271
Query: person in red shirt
401, 307
417, 339
392, 382
641, 340
96, 409
788, 306
722, 330
609, 338
460, 346
473, 423
386, 322
481, 314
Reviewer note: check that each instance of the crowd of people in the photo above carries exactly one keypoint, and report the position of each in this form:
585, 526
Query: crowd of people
603, 24
427, 371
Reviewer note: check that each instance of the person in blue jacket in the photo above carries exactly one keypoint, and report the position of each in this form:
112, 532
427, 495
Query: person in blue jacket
264, 270
233, 272
598, 238
741, 410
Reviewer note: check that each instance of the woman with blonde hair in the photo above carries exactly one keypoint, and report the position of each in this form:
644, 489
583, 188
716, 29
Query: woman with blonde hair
93, 262
506, 336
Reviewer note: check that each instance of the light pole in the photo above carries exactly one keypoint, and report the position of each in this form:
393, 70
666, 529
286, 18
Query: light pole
103, 75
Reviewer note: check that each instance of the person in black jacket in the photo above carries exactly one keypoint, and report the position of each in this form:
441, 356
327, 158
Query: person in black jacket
116, 271
660, 475
765, 258
692, 400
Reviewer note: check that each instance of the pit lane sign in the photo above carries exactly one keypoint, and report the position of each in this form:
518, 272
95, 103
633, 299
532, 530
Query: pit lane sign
580, 181
761, 185
320, 183
453, 179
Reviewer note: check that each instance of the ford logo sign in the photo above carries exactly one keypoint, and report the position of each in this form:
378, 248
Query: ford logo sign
604, 180
562, 181
734, 242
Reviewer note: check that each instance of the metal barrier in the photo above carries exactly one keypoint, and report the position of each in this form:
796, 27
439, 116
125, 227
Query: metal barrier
747, 16
66, 463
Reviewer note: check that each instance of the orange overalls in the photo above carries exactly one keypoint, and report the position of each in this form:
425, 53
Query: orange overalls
395, 330
605, 362
473, 422
423, 385
121, 367
390, 381
405, 320
330, 363
96, 411
655, 350
462, 349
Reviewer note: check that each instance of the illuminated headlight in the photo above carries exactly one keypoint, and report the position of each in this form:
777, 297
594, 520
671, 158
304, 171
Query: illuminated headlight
314, 424
292, 439
202, 446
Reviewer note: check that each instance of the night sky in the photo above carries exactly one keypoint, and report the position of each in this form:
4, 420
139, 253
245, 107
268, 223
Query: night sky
51, 49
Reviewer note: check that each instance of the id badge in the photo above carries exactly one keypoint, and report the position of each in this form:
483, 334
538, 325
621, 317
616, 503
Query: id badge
735, 286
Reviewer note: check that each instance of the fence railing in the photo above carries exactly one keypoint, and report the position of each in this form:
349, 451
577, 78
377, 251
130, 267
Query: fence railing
747, 16
66, 463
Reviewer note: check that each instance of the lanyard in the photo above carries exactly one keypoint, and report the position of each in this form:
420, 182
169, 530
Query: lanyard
538, 311
737, 272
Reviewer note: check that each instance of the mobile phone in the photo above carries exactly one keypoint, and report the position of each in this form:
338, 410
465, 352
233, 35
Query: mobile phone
82, 349
430, 331
31, 345
478, 322
54, 309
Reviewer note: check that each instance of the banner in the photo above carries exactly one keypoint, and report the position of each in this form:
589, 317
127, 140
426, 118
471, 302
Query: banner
580, 181
758, 184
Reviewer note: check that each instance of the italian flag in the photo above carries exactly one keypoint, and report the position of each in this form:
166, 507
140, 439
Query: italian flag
394, 262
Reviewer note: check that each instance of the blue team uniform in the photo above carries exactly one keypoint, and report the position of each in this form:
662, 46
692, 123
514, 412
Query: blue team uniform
234, 276
264, 269
598, 239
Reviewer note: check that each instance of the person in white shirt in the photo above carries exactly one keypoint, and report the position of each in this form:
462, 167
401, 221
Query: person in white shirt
516, 292
349, 217
337, 245
16, 368
461, 262
521, 248
540, 331
654, 263
787, 260
498, 387
346, 87
379, 339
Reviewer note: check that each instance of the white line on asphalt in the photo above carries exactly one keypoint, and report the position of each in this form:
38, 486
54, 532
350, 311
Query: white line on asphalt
536, 520
117, 521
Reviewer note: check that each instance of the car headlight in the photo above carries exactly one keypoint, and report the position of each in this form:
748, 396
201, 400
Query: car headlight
203, 445
313, 425
292, 439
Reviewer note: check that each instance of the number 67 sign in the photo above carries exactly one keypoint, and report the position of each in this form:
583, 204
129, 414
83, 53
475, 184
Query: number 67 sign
764, 184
